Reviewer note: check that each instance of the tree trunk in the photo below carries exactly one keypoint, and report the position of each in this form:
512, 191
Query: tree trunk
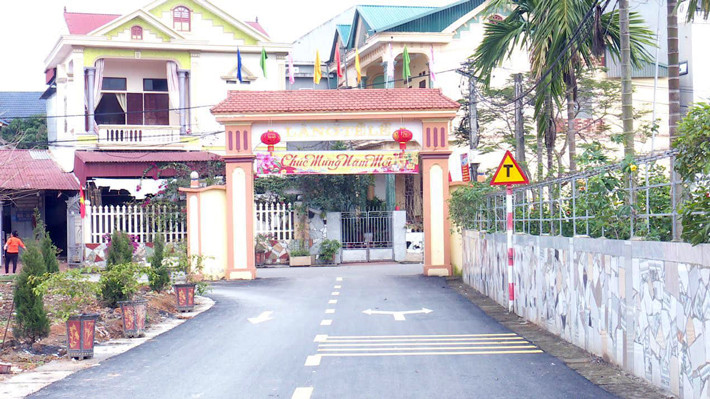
538, 155
673, 104
571, 132
550, 134
627, 108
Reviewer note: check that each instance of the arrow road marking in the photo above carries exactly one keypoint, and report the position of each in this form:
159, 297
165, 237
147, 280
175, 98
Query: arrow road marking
398, 316
264, 316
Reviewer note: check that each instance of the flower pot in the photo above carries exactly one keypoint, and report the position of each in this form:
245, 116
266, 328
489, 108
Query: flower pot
133, 315
300, 260
80, 336
185, 295
260, 258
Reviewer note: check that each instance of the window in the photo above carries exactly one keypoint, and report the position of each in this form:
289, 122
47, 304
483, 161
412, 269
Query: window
155, 85
181, 19
113, 84
137, 33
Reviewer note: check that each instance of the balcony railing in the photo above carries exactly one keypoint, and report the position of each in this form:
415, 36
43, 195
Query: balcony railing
136, 136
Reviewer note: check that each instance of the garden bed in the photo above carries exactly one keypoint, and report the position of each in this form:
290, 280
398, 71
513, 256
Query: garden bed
109, 326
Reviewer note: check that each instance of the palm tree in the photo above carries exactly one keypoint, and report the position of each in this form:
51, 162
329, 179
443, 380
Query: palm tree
558, 48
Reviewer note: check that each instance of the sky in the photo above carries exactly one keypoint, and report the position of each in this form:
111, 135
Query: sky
30, 28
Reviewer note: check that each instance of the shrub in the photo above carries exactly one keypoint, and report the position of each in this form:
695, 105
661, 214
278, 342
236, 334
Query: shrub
120, 250
693, 165
47, 247
31, 322
159, 273
328, 249
299, 248
120, 282
72, 290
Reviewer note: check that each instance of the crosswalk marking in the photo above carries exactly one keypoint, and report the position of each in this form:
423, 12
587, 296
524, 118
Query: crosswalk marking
470, 343
424, 336
507, 352
428, 349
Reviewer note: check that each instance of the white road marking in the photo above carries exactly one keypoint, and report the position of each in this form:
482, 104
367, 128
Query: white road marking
330, 311
313, 360
335, 293
264, 316
332, 301
302, 393
326, 322
338, 279
337, 287
321, 338
398, 315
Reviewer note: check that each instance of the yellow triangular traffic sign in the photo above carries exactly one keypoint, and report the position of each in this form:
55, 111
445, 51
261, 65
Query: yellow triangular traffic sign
509, 172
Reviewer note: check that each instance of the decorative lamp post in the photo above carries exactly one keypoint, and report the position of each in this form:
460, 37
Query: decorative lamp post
402, 136
270, 138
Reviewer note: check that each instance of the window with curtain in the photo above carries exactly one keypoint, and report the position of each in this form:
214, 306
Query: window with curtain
137, 33
181, 19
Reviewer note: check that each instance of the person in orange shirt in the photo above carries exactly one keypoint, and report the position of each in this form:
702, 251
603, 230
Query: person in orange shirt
12, 252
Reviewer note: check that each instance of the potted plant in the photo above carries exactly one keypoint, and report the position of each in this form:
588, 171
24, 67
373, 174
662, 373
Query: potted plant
299, 253
191, 267
328, 250
261, 248
73, 293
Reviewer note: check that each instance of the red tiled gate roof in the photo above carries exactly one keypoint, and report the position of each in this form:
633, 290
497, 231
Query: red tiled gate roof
33, 170
295, 101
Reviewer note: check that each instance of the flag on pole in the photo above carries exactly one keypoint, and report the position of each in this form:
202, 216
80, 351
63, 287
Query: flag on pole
432, 68
357, 65
239, 66
291, 79
406, 73
337, 61
390, 66
82, 202
317, 73
263, 61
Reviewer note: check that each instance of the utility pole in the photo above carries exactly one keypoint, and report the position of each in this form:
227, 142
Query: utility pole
627, 108
345, 58
519, 131
473, 122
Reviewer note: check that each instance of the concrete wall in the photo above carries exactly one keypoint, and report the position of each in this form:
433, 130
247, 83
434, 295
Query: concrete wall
642, 305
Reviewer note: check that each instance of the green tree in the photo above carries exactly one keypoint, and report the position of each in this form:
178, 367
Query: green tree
31, 322
26, 133
159, 273
559, 49
120, 250
47, 247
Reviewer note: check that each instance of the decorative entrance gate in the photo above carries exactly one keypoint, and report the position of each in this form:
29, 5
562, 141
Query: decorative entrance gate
369, 232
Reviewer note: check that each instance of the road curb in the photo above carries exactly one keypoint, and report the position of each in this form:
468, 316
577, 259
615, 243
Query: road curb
29, 382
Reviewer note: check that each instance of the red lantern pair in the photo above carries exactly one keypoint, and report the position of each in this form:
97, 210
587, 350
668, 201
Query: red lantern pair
402, 136
270, 138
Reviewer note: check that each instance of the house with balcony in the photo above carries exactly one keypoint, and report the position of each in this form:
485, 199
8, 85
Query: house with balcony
125, 87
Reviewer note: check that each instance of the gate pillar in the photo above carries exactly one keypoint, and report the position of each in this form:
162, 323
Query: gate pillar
435, 191
241, 263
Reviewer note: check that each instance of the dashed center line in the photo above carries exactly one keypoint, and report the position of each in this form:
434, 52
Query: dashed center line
326, 322
337, 287
332, 301
330, 311
335, 293
302, 393
338, 279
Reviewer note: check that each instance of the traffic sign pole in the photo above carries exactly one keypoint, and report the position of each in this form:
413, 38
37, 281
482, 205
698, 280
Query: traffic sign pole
509, 231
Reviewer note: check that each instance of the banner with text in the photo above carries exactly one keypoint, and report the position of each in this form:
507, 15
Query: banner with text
337, 162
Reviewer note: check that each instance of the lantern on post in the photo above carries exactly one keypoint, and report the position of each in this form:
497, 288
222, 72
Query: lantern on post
270, 138
402, 136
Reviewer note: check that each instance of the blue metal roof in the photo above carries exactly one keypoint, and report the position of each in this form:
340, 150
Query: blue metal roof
21, 104
377, 17
344, 31
435, 20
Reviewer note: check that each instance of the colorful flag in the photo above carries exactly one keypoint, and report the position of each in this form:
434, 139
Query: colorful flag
406, 73
239, 66
82, 202
390, 66
291, 79
263, 61
337, 61
317, 74
357, 65
432, 68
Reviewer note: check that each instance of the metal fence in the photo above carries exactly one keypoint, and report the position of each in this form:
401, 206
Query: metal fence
142, 222
619, 201
371, 229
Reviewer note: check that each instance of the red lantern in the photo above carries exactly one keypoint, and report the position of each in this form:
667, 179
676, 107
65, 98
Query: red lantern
270, 138
401, 136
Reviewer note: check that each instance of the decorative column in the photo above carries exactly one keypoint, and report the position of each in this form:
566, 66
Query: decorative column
183, 100
91, 76
241, 263
435, 191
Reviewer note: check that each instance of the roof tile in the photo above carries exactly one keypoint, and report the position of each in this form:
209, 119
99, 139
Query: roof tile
33, 170
144, 156
295, 101
83, 23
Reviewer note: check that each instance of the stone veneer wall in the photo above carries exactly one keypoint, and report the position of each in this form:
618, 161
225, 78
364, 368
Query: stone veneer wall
642, 305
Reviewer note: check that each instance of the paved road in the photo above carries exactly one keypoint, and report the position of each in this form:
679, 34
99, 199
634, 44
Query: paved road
319, 344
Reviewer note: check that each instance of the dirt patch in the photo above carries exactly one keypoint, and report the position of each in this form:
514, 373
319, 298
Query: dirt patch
109, 326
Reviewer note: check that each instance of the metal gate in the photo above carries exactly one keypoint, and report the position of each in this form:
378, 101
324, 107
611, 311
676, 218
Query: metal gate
75, 233
369, 233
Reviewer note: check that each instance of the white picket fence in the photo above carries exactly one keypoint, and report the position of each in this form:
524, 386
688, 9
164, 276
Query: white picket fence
274, 219
141, 222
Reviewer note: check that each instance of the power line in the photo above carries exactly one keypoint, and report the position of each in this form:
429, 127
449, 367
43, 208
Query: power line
94, 114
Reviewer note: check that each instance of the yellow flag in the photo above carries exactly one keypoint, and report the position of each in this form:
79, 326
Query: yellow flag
357, 66
317, 74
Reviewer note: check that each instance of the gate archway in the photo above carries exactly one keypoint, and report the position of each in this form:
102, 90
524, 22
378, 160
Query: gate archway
321, 115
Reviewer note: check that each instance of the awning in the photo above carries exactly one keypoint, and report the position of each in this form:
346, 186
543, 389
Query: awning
138, 188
